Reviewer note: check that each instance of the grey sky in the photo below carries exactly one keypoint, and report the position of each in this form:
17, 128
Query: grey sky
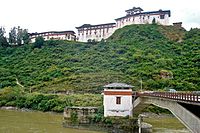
47, 15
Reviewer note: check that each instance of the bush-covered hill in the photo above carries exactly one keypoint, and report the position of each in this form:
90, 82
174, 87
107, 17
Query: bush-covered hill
163, 57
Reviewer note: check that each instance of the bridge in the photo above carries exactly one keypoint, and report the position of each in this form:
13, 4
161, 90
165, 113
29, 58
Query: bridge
184, 106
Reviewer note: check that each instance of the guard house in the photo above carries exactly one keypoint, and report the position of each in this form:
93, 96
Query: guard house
117, 100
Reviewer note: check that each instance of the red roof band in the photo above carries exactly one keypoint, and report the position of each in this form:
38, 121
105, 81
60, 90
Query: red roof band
127, 93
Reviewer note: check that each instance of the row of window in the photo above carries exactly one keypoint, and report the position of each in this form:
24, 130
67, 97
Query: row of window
51, 35
95, 32
88, 30
96, 28
141, 17
66, 37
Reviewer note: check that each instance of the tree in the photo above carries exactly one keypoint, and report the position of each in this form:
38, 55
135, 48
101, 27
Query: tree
22, 36
2, 31
13, 36
39, 42
25, 36
18, 36
3, 39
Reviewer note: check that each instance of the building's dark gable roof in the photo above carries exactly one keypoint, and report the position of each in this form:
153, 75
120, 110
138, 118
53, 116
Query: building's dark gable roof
89, 25
52, 32
156, 12
118, 85
146, 13
134, 8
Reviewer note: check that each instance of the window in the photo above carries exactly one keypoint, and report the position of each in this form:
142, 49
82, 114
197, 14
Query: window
162, 16
85, 112
118, 100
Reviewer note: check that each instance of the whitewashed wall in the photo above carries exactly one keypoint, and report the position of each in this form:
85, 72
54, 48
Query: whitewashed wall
142, 19
56, 37
103, 33
113, 109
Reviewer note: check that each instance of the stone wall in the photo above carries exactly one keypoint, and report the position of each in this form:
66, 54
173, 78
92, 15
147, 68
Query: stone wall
78, 115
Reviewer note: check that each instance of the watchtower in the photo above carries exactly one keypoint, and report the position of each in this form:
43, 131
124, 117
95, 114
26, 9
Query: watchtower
118, 100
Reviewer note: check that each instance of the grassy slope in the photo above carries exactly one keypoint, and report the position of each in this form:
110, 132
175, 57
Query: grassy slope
131, 53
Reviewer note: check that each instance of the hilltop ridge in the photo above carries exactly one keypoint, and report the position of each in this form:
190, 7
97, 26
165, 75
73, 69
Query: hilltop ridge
163, 57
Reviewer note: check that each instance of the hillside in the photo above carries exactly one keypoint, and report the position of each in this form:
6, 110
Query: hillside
163, 57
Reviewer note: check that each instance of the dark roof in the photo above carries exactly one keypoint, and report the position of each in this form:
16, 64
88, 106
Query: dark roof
118, 85
52, 32
178, 23
146, 13
135, 8
89, 25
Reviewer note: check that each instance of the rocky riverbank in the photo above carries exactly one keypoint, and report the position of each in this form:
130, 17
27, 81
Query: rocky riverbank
15, 108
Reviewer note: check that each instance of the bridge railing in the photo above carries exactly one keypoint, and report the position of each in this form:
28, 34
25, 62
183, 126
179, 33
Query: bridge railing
183, 96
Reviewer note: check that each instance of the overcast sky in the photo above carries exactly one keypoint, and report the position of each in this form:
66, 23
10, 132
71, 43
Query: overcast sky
48, 15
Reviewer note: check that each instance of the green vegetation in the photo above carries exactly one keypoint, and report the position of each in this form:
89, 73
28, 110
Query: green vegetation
3, 40
39, 42
116, 124
163, 57
155, 109
165, 122
46, 102
18, 36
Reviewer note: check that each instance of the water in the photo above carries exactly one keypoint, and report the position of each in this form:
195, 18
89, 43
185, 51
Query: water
33, 122
166, 124
38, 122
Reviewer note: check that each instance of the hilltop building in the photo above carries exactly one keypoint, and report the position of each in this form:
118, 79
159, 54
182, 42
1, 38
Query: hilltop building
98, 32
133, 16
136, 16
87, 32
117, 100
55, 35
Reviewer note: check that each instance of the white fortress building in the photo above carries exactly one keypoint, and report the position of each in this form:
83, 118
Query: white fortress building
55, 35
88, 32
133, 16
117, 100
95, 32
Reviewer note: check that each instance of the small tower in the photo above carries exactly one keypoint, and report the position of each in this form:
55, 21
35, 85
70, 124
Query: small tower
117, 100
134, 10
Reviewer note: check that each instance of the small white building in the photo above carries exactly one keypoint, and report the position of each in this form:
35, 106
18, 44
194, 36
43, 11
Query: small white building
118, 100
55, 35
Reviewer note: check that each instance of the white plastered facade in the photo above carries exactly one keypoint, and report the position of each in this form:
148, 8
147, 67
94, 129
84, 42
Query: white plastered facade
111, 108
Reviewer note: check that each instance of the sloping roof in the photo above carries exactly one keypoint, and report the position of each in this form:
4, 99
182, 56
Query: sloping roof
148, 13
53, 32
89, 25
134, 9
118, 85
